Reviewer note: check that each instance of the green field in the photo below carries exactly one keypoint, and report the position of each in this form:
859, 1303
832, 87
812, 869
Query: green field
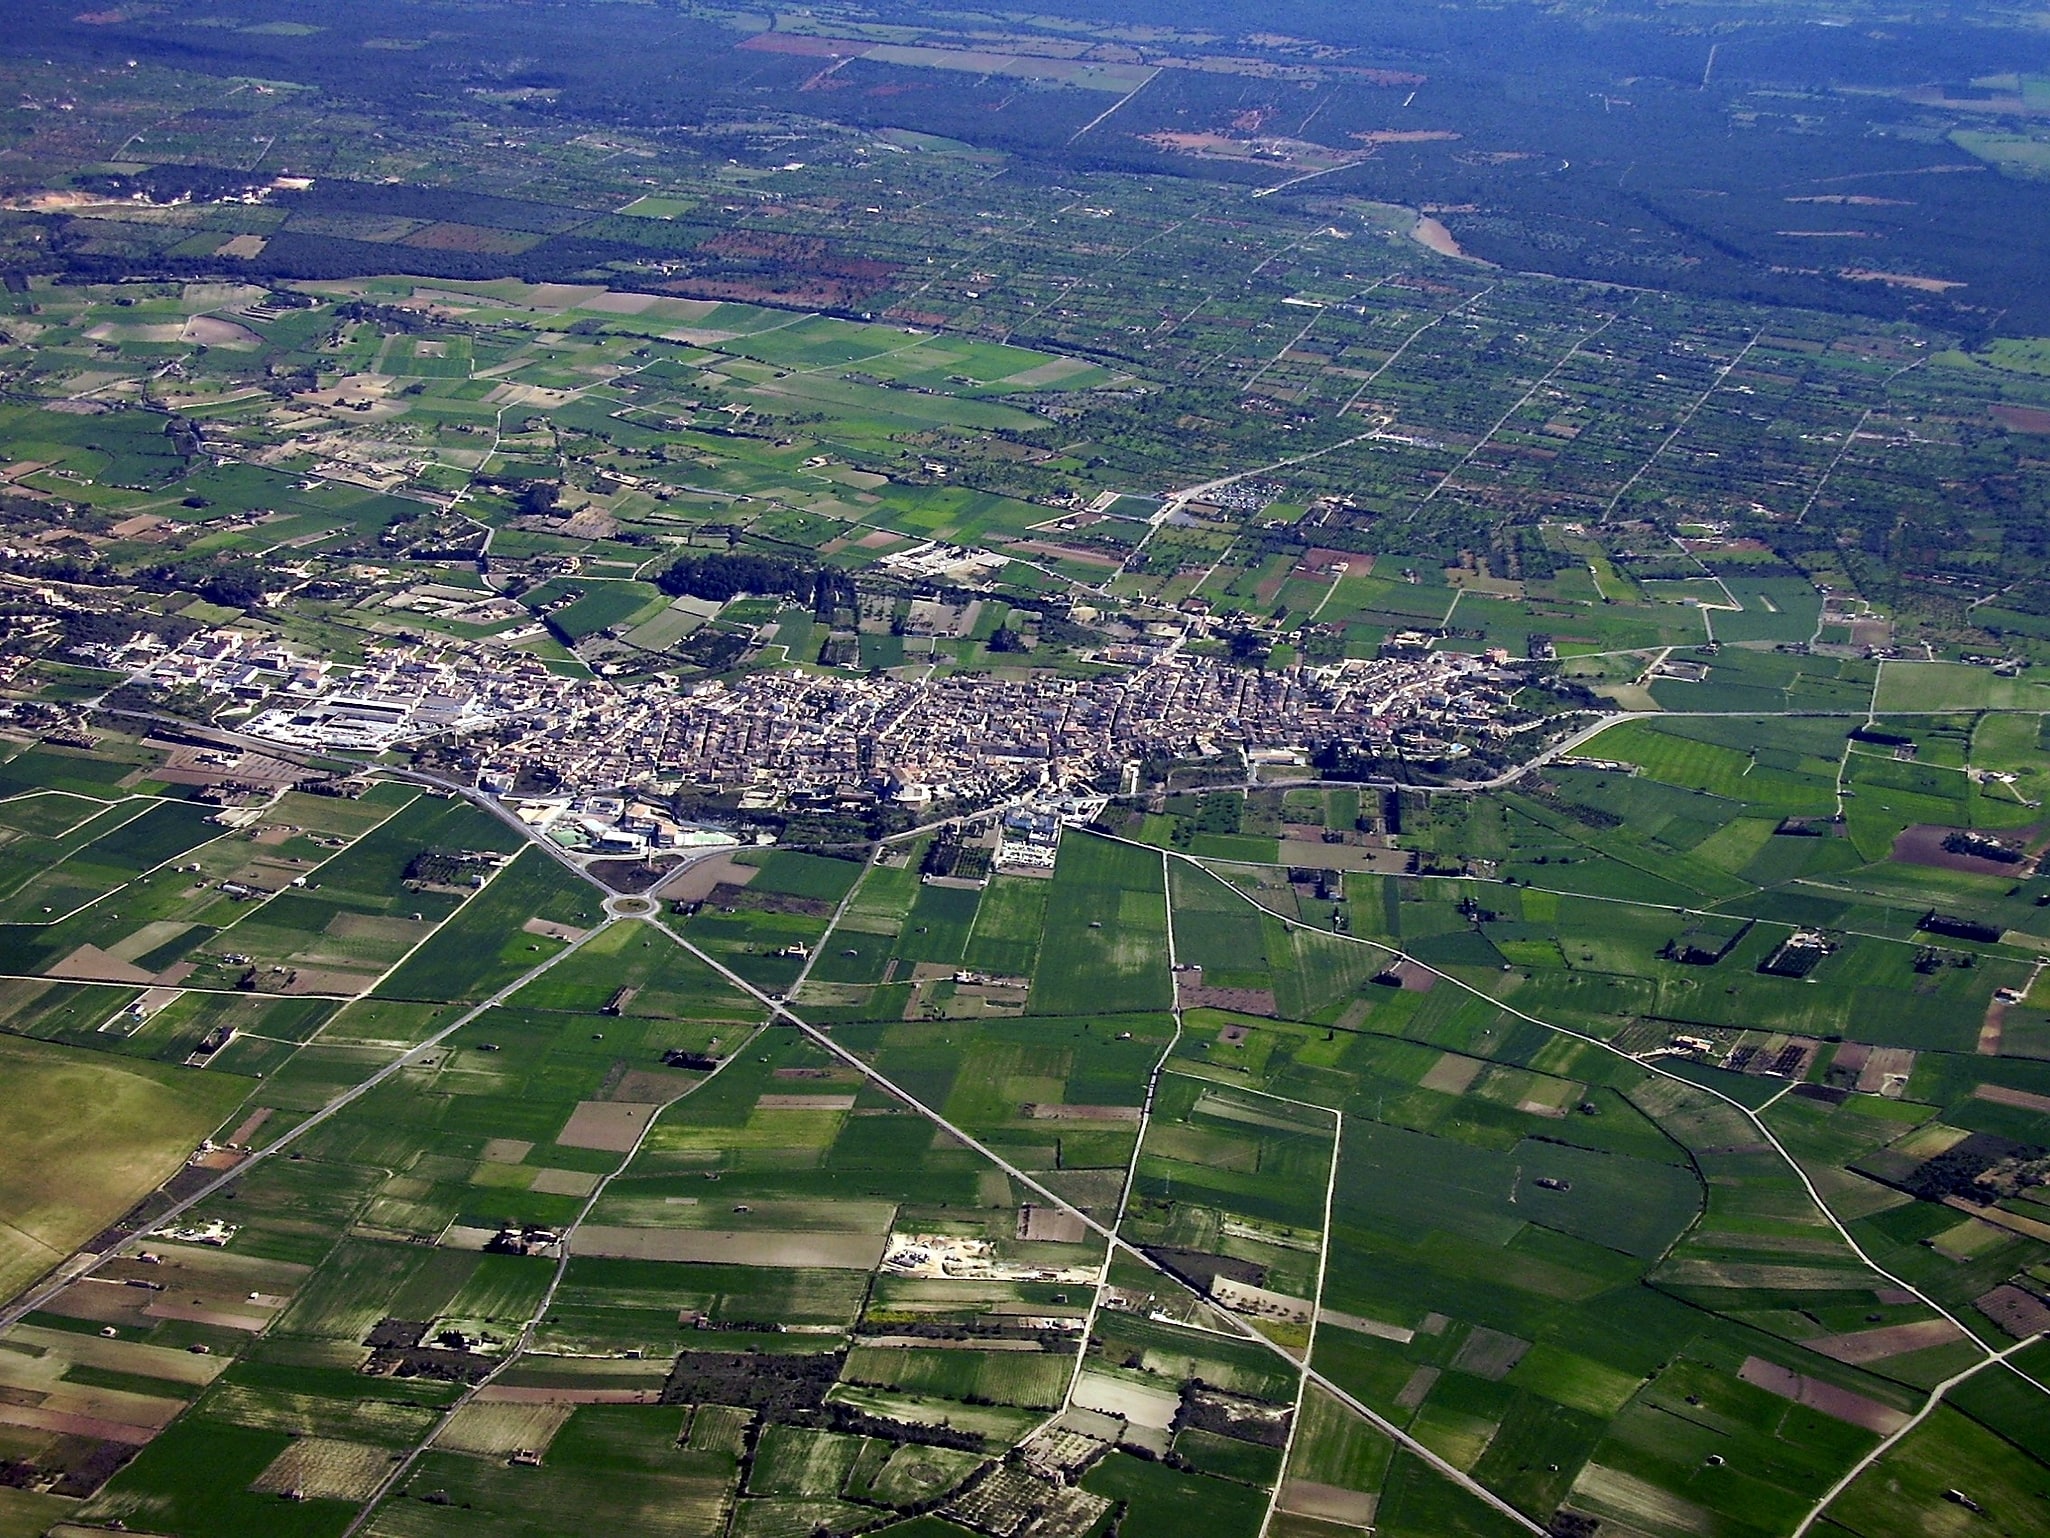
91, 1136
809, 439
1104, 946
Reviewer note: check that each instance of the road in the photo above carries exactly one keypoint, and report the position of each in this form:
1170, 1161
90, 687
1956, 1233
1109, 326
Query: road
1138, 1146
1887, 1444
34, 1299
404, 1466
1988, 1356
780, 1009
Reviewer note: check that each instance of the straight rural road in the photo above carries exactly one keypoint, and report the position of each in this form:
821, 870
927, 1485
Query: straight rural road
875, 1076
43, 1292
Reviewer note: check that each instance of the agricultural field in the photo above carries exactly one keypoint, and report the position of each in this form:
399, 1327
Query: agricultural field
1635, 1116
1435, 1179
877, 771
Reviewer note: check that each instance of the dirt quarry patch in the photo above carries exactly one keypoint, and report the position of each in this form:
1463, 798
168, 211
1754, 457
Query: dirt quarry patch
613, 1126
768, 1247
1433, 236
1838, 1403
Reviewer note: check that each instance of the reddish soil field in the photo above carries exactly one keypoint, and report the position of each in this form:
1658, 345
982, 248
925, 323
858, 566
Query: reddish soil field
750, 244
1049, 1225
806, 47
1243, 1001
1894, 1340
1923, 845
2000, 1094
66, 1424
1066, 553
94, 965
471, 237
1839, 1403
1415, 978
2019, 1313
2022, 419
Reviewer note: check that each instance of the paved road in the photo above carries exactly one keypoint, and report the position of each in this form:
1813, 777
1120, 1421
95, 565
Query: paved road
404, 1466
1887, 1444
875, 1076
1756, 1121
1138, 1145
47, 1290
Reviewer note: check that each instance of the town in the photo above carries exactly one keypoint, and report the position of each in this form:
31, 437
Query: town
786, 736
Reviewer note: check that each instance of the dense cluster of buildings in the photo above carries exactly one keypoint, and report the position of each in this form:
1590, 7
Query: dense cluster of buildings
788, 734
978, 739
238, 663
